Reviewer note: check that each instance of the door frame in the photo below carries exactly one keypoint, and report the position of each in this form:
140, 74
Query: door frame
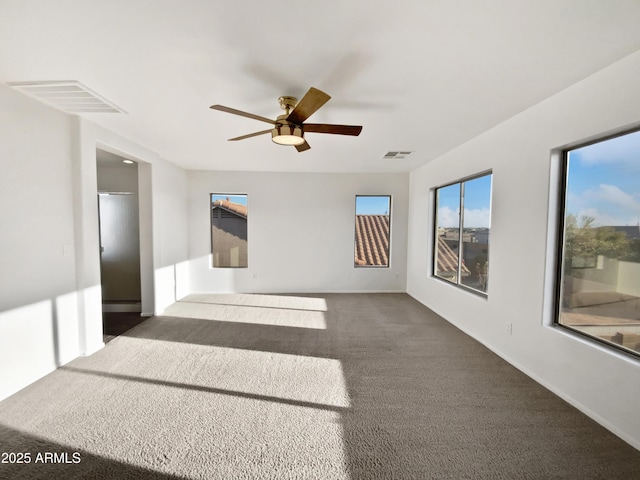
145, 226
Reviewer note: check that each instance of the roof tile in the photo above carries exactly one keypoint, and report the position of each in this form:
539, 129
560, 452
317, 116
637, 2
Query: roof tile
447, 260
372, 240
231, 206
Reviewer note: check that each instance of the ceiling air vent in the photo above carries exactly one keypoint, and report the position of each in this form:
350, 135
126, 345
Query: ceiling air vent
68, 95
390, 155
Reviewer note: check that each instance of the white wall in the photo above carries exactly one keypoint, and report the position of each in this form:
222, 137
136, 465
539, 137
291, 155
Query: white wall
170, 234
50, 305
300, 233
37, 264
118, 177
602, 383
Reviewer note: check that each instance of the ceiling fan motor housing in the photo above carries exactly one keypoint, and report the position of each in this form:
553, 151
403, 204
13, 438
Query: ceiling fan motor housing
287, 133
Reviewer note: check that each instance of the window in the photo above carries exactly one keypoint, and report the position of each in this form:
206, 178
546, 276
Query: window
462, 226
229, 230
599, 266
373, 223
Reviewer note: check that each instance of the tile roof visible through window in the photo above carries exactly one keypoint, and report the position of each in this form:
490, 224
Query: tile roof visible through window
448, 262
231, 206
372, 240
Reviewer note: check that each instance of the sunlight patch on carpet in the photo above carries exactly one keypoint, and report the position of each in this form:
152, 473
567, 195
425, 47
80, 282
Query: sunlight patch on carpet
291, 378
291, 302
257, 315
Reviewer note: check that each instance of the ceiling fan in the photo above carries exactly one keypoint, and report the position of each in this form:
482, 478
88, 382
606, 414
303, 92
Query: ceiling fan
289, 128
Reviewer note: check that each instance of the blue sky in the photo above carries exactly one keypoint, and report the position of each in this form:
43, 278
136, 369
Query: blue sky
241, 199
372, 205
477, 204
604, 181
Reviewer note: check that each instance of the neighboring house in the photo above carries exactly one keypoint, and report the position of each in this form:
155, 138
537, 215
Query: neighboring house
481, 235
632, 232
229, 234
372, 240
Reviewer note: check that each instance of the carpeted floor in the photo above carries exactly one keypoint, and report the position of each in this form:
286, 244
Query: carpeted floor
339, 386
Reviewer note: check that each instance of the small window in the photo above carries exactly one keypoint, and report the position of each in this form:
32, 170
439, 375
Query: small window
599, 266
462, 226
373, 227
229, 215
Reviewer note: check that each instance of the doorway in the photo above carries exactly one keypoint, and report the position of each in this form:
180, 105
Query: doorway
119, 230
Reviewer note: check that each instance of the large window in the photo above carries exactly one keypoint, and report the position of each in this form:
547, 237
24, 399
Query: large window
599, 267
373, 225
229, 215
462, 226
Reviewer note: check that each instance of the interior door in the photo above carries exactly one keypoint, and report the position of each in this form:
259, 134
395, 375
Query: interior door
120, 248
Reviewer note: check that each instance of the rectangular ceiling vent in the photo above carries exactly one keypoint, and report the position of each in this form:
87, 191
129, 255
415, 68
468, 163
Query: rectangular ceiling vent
68, 95
390, 155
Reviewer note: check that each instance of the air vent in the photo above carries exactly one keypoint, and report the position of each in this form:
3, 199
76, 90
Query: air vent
67, 95
390, 155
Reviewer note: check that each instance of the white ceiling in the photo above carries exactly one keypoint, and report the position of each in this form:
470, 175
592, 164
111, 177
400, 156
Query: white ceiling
419, 75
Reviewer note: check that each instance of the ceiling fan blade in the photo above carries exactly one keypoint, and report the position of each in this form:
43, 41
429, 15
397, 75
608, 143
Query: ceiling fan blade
302, 147
255, 134
241, 113
309, 104
335, 129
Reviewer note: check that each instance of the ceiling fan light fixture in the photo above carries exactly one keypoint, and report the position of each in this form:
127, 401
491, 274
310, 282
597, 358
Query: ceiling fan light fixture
289, 128
287, 135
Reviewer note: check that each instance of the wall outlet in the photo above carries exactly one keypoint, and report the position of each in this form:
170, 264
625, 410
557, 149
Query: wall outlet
509, 328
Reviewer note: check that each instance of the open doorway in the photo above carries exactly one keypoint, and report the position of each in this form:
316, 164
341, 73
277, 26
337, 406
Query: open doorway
119, 220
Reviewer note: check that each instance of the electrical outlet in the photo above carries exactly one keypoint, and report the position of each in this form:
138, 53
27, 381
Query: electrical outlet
509, 328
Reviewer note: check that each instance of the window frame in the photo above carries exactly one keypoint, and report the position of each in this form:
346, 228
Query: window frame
212, 264
560, 224
434, 260
355, 236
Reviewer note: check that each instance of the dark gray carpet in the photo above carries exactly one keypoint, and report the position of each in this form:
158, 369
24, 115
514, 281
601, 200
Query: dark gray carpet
116, 323
340, 386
